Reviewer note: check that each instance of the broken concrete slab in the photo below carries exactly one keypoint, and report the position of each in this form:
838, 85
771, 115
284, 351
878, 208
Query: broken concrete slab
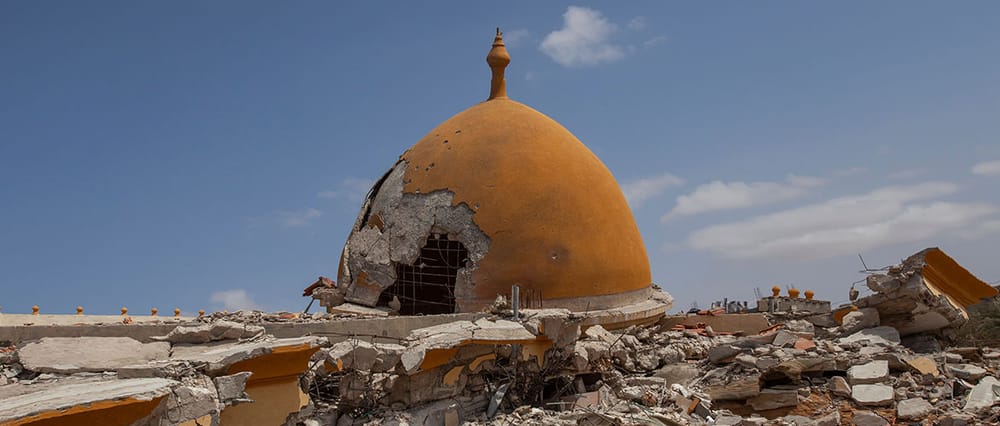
353, 309
868, 418
839, 386
500, 331
830, 419
361, 355
872, 372
882, 336
218, 356
984, 395
929, 291
232, 388
859, 320
73, 355
913, 409
723, 354
738, 389
214, 331
769, 399
923, 365
680, 373
85, 395
967, 371
873, 395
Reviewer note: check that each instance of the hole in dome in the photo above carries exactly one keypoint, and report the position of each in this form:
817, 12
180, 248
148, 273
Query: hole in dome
428, 285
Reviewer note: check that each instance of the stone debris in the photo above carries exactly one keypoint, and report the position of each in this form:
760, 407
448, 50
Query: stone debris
913, 409
927, 292
872, 372
214, 331
183, 380
66, 355
554, 367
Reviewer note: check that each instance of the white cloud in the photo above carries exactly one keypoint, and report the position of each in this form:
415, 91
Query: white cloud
988, 168
654, 41
583, 39
515, 37
234, 300
299, 218
636, 24
640, 190
720, 195
846, 225
350, 189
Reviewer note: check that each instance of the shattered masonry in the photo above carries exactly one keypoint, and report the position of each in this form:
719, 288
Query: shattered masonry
550, 366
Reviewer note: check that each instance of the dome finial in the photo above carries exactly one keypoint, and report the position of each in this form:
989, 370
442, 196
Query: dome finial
498, 60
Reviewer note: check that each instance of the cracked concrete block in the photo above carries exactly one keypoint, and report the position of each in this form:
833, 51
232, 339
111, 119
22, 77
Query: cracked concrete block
69, 355
232, 388
838, 386
353, 354
784, 339
872, 372
737, 389
868, 418
64, 397
597, 332
191, 402
830, 419
929, 291
723, 354
680, 373
967, 371
500, 330
859, 320
215, 331
913, 409
882, 336
983, 395
873, 395
218, 356
769, 399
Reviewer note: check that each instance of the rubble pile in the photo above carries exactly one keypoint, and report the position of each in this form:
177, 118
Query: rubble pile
185, 375
806, 369
657, 375
870, 363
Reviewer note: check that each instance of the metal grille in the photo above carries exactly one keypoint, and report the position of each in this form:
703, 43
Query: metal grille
428, 285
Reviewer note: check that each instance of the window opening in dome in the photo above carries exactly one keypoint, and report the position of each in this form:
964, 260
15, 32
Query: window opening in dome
428, 285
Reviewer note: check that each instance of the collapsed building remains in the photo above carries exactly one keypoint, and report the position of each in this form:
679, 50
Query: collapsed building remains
545, 366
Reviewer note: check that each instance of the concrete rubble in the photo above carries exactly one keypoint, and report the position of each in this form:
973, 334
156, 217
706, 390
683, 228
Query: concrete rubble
178, 378
544, 367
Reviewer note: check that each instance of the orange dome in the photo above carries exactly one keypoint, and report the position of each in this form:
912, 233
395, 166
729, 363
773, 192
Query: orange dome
558, 221
528, 203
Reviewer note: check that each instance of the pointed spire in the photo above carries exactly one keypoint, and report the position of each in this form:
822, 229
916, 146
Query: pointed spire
498, 60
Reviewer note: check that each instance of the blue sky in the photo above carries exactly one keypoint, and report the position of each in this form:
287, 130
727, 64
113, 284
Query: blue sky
211, 155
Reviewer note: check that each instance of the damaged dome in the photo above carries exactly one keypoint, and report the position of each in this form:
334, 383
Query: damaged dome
497, 195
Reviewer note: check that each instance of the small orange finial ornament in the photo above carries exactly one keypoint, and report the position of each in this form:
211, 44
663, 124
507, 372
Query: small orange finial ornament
498, 58
177, 312
775, 291
79, 310
34, 310
153, 312
793, 293
809, 294
124, 310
